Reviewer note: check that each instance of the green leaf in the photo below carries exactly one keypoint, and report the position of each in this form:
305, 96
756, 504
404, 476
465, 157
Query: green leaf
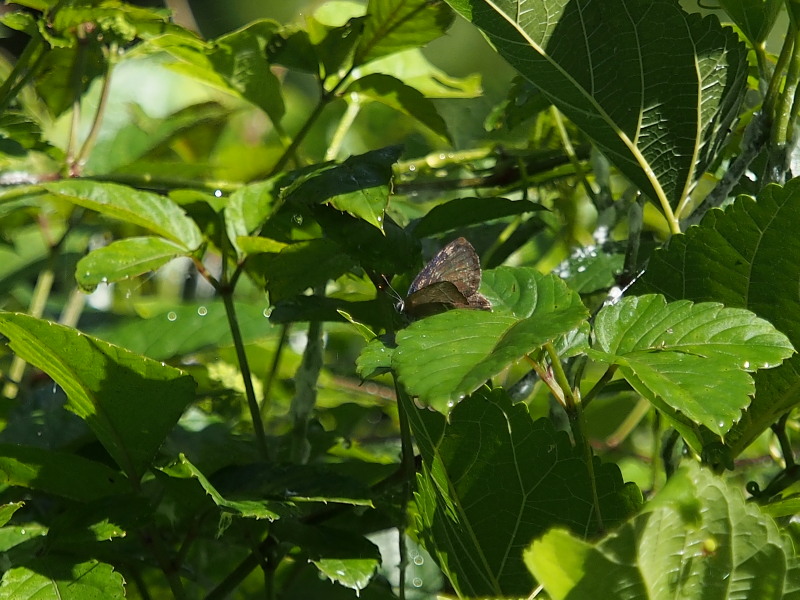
7, 511
130, 402
240, 57
57, 577
654, 87
754, 17
151, 211
187, 328
293, 48
698, 539
301, 266
358, 186
463, 212
591, 269
123, 259
395, 94
688, 358
342, 556
146, 137
738, 257
414, 69
491, 479
395, 25
336, 46
248, 208
57, 473
374, 358
293, 483
255, 508
445, 357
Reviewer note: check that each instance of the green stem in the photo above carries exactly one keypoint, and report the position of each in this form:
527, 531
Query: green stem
151, 540
25, 68
781, 134
570, 400
570, 151
572, 403
273, 369
305, 397
598, 387
408, 468
244, 366
88, 143
324, 99
345, 123
779, 429
773, 89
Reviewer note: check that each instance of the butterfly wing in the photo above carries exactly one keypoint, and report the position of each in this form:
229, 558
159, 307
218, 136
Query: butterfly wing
457, 263
450, 280
433, 299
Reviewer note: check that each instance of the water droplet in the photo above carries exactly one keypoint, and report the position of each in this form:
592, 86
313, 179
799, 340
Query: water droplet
746, 364
581, 269
418, 560
172, 316
298, 219
670, 330
450, 404
412, 168
265, 312
218, 193
416, 582
202, 311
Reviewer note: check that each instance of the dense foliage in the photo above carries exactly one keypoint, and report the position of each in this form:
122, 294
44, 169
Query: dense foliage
213, 385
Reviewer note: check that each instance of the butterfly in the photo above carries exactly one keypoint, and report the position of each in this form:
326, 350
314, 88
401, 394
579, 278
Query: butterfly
450, 280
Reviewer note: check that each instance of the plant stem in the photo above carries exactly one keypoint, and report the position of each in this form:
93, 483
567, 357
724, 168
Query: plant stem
773, 89
88, 143
273, 369
233, 322
324, 99
305, 396
570, 151
779, 429
16, 80
781, 133
353, 108
601, 383
577, 422
408, 469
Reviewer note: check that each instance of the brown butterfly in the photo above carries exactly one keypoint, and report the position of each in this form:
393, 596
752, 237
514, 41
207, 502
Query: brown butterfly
450, 280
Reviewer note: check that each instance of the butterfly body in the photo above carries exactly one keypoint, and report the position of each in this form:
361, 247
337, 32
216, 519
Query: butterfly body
450, 280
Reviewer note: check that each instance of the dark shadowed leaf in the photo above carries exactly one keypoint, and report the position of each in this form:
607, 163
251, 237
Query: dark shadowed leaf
130, 402
492, 479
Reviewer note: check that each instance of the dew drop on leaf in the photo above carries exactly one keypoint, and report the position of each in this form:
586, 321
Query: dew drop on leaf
172, 316
202, 311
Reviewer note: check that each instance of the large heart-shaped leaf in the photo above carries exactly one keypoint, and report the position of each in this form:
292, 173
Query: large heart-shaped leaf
689, 359
654, 87
445, 357
740, 257
492, 479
